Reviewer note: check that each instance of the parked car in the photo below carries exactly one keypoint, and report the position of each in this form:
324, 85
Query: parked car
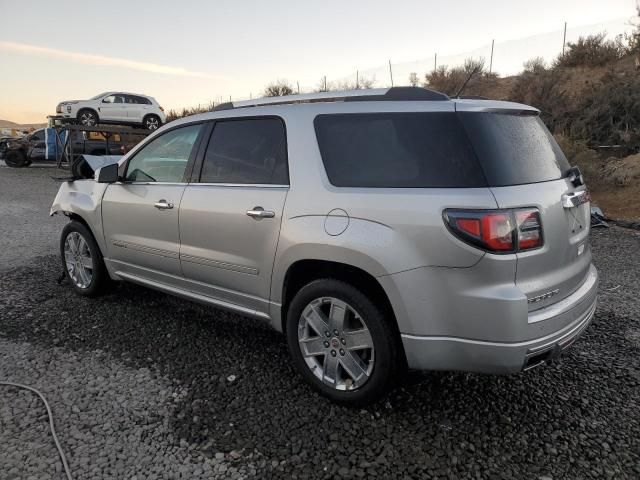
115, 107
40, 145
378, 230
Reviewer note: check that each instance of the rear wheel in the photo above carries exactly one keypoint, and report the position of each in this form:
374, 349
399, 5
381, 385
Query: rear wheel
82, 260
16, 159
151, 122
88, 118
341, 342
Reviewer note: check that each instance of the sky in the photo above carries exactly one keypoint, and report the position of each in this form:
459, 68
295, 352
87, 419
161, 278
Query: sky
189, 52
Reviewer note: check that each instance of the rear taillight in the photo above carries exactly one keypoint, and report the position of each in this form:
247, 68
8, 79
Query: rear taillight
498, 231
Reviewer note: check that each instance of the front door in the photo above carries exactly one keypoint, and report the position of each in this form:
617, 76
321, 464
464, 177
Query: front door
230, 216
140, 214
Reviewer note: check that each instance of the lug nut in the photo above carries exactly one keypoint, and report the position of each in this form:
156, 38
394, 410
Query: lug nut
326, 344
335, 332
327, 333
344, 342
333, 353
341, 352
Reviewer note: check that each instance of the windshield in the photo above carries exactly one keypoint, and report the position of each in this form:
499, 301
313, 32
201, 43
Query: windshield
99, 96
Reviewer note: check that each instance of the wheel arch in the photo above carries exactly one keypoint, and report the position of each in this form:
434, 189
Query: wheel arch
152, 115
91, 109
303, 271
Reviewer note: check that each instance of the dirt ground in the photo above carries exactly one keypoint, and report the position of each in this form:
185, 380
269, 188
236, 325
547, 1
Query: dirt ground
620, 203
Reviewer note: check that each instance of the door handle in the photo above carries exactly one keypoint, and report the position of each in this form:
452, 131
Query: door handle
573, 199
163, 205
259, 212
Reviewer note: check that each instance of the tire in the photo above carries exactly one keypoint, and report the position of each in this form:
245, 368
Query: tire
88, 118
152, 122
380, 363
16, 159
98, 279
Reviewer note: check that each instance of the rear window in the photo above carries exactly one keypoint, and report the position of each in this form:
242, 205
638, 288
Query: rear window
514, 149
402, 150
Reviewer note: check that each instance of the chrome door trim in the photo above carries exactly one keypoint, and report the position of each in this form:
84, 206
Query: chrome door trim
208, 262
144, 249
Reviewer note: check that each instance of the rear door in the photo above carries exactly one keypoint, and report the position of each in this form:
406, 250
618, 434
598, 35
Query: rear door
140, 215
113, 108
135, 108
525, 168
230, 214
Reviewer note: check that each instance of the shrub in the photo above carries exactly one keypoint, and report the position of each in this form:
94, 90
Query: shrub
543, 89
185, 112
591, 51
609, 113
450, 80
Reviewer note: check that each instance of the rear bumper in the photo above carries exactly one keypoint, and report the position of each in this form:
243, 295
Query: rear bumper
454, 353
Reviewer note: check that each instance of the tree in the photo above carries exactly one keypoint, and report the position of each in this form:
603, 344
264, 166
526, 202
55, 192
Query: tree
279, 88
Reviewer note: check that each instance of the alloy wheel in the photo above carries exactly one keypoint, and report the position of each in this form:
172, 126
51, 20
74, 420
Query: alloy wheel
336, 344
152, 123
88, 119
78, 260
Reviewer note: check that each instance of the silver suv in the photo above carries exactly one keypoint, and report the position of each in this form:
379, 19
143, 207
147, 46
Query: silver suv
378, 230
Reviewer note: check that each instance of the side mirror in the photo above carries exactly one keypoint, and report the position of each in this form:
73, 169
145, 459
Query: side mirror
108, 174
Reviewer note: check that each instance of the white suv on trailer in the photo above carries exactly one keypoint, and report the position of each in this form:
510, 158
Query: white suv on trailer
115, 107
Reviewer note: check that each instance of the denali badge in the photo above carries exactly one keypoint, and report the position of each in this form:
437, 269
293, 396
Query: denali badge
544, 296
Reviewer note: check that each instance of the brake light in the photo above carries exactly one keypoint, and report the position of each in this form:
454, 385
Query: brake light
498, 231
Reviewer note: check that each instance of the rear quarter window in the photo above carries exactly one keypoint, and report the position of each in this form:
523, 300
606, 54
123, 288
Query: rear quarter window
397, 150
514, 149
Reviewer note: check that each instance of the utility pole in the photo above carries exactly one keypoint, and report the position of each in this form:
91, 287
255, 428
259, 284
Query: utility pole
491, 61
564, 38
390, 72
357, 80
325, 83
298, 83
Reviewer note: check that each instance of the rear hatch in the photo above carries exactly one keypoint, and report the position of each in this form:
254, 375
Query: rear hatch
524, 167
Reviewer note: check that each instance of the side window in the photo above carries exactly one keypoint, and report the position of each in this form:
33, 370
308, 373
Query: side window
109, 99
130, 99
251, 151
164, 159
38, 136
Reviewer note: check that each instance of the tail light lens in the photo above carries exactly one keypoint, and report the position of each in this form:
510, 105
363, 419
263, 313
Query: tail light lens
497, 231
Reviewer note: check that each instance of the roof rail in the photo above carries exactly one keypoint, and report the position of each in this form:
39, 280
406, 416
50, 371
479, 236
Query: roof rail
365, 95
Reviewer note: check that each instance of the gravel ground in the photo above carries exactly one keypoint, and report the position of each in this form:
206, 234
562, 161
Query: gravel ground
140, 382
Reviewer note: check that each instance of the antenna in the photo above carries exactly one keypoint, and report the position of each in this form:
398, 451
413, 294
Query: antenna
473, 72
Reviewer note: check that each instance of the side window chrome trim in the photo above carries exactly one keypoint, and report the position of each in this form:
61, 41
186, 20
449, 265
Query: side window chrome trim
154, 183
260, 185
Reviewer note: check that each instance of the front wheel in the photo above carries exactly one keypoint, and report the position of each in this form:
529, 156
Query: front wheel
87, 118
82, 260
341, 342
16, 159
